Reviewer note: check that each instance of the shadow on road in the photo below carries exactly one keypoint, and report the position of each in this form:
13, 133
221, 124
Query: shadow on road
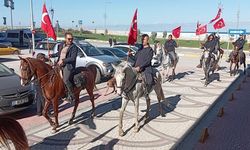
58, 141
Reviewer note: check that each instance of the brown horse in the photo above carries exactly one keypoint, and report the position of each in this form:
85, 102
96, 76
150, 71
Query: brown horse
11, 130
53, 87
237, 60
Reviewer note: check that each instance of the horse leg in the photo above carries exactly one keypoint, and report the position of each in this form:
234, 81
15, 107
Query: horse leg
148, 108
136, 105
77, 99
55, 108
45, 112
92, 99
231, 68
124, 105
106, 91
160, 96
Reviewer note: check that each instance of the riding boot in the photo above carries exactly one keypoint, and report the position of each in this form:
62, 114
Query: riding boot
71, 97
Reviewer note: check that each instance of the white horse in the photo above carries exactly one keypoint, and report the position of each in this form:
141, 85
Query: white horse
167, 64
131, 87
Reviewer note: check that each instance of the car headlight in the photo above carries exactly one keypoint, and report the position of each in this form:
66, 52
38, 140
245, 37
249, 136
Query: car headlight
106, 64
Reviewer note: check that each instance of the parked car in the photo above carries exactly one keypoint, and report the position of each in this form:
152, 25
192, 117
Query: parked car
126, 48
4, 42
138, 45
42, 47
20, 37
6, 50
13, 96
89, 55
2, 35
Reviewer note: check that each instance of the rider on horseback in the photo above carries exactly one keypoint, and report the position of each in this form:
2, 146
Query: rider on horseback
67, 53
239, 44
212, 45
169, 48
143, 62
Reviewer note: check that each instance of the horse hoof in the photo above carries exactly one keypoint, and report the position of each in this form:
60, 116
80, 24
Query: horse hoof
70, 122
136, 129
121, 132
53, 131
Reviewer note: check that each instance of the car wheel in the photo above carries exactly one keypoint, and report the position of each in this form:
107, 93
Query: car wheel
98, 75
16, 53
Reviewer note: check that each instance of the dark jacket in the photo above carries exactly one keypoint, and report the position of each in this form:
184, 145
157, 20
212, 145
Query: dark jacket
211, 45
170, 45
143, 59
239, 43
70, 59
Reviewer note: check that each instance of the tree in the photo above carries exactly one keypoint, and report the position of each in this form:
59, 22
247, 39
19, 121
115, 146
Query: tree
165, 34
153, 35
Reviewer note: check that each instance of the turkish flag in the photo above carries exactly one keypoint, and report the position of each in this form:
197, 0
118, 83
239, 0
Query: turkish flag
132, 36
219, 24
217, 16
201, 30
176, 32
46, 24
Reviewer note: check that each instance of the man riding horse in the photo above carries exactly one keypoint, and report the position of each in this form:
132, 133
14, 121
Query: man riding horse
239, 44
143, 62
212, 44
67, 53
169, 48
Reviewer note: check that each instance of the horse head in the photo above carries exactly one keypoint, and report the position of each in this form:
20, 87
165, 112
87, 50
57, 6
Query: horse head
27, 71
121, 71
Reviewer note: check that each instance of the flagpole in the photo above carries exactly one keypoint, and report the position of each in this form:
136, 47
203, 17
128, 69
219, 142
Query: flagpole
32, 27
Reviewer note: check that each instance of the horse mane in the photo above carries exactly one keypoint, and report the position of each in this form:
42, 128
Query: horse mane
38, 64
11, 130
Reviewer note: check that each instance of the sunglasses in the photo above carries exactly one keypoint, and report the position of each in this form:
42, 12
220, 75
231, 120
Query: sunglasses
70, 39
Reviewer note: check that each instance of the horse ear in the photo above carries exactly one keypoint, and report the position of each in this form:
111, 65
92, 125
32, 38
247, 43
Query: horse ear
20, 58
114, 66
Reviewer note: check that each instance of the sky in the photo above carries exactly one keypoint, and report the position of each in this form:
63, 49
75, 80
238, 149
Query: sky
120, 12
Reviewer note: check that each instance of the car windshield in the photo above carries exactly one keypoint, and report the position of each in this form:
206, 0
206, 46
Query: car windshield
118, 52
4, 71
90, 50
45, 46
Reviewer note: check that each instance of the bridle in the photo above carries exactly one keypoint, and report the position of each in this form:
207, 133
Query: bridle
30, 80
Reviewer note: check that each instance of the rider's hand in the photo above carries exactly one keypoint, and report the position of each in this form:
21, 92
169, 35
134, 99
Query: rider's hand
137, 69
50, 55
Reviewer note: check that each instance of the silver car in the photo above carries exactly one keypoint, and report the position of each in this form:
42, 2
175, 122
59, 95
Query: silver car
89, 55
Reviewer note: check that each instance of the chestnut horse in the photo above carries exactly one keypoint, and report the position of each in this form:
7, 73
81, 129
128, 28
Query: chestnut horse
53, 87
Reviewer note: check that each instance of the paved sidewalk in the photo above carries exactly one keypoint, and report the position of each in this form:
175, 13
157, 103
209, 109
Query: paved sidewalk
231, 132
187, 93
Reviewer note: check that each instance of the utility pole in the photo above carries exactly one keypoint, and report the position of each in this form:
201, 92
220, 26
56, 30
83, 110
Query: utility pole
32, 27
238, 17
105, 15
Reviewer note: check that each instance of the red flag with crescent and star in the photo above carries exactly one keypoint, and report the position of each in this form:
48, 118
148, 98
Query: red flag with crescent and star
217, 16
201, 30
176, 32
46, 24
132, 36
219, 24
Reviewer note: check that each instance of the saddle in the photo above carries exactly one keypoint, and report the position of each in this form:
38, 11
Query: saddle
76, 78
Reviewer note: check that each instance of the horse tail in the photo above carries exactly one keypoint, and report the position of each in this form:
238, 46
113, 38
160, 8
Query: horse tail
8, 131
94, 71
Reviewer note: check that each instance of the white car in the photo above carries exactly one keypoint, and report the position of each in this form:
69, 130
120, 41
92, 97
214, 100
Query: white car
89, 55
